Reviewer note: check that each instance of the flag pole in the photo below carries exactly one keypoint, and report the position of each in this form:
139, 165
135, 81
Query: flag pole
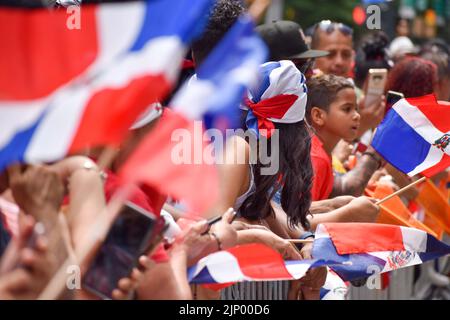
396, 193
257, 8
301, 240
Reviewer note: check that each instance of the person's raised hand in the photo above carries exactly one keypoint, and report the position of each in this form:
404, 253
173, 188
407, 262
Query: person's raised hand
37, 190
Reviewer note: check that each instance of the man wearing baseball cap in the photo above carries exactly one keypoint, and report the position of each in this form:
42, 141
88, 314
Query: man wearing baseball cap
286, 41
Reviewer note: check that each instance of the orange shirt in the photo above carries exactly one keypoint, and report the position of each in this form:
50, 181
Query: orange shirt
323, 171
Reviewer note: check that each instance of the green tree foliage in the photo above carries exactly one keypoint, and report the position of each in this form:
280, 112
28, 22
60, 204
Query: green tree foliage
308, 12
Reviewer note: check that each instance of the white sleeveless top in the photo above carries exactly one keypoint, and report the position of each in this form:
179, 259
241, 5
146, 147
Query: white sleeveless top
251, 189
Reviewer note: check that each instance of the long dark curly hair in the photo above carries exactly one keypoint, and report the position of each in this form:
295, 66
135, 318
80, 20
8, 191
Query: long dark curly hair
294, 177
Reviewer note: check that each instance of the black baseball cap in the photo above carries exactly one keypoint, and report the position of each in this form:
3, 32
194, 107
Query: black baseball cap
286, 40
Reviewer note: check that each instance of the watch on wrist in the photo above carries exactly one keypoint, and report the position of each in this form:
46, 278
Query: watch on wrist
375, 157
307, 235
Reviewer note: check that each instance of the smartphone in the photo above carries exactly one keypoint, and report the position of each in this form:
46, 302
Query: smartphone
375, 85
392, 98
134, 232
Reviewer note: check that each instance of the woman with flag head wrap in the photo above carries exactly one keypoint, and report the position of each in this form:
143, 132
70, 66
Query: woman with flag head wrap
273, 113
279, 104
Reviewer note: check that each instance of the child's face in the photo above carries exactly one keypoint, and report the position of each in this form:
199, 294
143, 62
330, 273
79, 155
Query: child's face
342, 118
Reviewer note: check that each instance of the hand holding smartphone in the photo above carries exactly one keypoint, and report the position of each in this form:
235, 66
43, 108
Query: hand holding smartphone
134, 232
375, 86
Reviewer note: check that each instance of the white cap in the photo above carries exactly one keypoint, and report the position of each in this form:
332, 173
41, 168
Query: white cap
401, 46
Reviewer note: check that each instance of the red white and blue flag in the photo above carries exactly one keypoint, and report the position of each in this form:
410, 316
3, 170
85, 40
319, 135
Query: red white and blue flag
415, 136
250, 262
257, 262
280, 97
351, 250
215, 93
214, 97
63, 90
360, 250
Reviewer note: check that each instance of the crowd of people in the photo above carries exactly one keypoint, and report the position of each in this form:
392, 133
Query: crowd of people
313, 95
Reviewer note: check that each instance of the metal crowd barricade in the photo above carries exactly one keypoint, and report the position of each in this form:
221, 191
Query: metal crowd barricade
263, 290
401, 283
400, 288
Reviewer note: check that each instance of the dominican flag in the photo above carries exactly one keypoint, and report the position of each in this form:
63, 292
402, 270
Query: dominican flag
360, 250
415, 136
351, 250
250, 262
334, 288
62, 90
175, 158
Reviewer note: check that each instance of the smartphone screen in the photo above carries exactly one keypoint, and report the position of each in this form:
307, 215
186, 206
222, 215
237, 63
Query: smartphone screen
375, 86
130, 236
392, 98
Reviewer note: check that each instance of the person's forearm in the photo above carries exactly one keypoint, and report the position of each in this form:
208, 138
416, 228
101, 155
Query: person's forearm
354, 182
178, 261
87, 201
332, 216
322, 206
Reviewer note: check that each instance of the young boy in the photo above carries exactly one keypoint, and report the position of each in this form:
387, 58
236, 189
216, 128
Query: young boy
332, 113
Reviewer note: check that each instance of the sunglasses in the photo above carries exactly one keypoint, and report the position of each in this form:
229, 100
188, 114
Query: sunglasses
328, 26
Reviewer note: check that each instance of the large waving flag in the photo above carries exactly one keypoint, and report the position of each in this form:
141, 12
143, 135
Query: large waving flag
172, 157
62, 90
415, 136
364, 249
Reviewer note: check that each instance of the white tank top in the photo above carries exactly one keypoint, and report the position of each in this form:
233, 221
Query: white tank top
251, 189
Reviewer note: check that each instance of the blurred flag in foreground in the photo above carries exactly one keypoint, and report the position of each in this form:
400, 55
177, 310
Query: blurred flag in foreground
435, 204
394, 211
63, 90
415, 136
352, 250
250, 262
172, 157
